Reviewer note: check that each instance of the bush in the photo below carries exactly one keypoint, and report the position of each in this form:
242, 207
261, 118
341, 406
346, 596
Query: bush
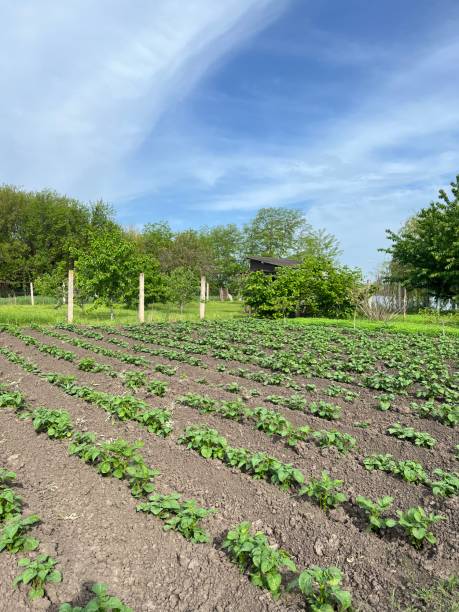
318, 287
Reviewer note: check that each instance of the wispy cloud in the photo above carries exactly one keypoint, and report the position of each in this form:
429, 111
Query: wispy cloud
83, 83
109, 99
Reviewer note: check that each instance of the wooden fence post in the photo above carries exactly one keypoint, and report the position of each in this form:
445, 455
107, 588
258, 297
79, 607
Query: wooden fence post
70, 298
32, 299
207, 292
202, 301
142, 298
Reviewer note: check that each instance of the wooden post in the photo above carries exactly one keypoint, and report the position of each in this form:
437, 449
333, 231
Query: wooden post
142, 298
32, 299
202, 301
70, 298
207, 292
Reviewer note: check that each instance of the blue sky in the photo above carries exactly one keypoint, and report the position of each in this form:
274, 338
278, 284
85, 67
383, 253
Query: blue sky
201, 112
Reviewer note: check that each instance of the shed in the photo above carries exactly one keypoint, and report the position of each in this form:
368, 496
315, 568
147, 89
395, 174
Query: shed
268, 265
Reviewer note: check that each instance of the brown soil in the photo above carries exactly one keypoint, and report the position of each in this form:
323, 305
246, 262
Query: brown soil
90, 525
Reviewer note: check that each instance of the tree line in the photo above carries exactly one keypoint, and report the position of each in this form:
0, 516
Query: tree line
43, 234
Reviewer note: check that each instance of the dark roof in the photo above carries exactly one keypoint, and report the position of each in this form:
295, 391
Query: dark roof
275, 261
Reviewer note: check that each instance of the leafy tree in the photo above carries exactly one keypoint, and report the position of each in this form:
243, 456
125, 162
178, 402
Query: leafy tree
226, 242
426, 250
188, 249
108, 268
182, 284
318, 287
38, 230
157, 237
275, 232
318, 243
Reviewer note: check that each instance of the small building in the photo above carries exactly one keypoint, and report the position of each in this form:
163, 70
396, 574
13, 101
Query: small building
268, 265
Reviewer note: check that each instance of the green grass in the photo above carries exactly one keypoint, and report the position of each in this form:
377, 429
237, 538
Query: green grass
22, 314
412, 323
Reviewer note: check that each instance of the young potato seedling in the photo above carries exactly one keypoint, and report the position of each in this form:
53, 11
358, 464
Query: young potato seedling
321, 588
36, 574
375, 510
416, 523
325, 491
254, 555
177, 515
102, 602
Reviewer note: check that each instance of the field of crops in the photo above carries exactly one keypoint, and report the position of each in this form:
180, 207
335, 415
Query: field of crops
228, 466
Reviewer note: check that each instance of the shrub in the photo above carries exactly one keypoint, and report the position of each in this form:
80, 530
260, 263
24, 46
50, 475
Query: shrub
318, 287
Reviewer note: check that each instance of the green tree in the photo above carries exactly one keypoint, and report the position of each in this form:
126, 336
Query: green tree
38, 230
157, 237
182, 286
318, 243
188, 249
226, 254
108, 267
425, 252
275, 232
318, 287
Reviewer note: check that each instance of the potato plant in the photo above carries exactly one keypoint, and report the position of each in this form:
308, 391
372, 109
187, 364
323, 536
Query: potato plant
446, 485
253, 555
10, 504
416, 523
325, 410
343, 442
6, 478
11, 399
325, 491
375, 511
55, 423
37, 573
419, 438
321, 588
157, 387
102, 602
181, 516
13, 538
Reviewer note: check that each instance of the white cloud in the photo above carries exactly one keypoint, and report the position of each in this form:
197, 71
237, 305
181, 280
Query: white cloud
83, 83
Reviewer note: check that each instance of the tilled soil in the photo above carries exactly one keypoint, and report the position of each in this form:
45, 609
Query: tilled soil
90, 525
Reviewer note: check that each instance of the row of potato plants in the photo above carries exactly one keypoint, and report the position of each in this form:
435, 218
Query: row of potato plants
362, 358
325, 491
15, 538
117, 459
40, 569
130, 379
411, 471
323, 409
269, 421
446, 413
252, 553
